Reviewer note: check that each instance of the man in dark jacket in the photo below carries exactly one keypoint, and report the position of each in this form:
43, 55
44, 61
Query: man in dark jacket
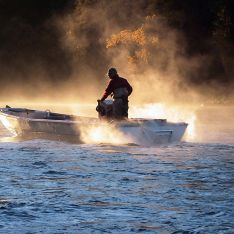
120, 89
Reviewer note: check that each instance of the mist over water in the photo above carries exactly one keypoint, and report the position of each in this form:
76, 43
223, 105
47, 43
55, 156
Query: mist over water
215, 125
73, 43
208, 124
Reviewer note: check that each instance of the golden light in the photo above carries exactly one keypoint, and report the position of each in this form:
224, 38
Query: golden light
7, 124
96, 134
171, 113
104, 133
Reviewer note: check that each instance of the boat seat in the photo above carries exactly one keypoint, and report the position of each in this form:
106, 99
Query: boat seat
55, 116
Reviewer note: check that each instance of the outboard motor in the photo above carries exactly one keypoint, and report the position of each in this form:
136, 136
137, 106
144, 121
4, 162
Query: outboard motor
105, 109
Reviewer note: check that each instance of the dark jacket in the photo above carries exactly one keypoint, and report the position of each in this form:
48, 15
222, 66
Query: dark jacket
115, 83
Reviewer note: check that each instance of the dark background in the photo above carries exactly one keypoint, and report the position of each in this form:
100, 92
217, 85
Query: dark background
31, 50
28, 41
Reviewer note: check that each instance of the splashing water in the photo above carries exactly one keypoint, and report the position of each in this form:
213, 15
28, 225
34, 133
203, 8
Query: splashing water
102, 134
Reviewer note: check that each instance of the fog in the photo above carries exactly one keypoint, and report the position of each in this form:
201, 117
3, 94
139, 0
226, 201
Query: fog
65, 57
122, 34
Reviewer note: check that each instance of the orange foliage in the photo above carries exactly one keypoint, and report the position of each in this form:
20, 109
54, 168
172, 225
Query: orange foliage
137, 41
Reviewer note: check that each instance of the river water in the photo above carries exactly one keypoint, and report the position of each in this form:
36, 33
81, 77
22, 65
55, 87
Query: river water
58, 187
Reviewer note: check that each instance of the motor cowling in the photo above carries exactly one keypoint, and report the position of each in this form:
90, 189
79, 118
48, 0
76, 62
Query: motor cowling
105, 109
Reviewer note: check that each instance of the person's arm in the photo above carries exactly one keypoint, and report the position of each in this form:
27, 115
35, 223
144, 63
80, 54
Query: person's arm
108, 91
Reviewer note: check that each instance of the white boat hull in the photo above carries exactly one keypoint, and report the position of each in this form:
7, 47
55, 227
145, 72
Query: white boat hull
40, 124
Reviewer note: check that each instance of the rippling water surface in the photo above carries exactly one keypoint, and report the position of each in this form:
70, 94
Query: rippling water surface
57, 187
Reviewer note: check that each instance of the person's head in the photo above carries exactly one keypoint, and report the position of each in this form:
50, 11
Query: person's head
112, 73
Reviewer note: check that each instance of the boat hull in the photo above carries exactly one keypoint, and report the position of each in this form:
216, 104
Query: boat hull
138, 131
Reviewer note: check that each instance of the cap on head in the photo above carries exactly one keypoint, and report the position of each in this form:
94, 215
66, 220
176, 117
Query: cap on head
112, 72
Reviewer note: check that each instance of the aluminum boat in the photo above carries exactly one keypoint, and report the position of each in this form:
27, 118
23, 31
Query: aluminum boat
29, 123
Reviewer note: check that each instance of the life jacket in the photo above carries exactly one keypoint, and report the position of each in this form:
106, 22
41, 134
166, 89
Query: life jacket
120, 93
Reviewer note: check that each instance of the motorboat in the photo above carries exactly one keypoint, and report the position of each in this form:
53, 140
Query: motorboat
29, 123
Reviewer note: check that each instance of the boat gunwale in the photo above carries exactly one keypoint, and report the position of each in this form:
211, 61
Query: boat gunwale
84, 118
